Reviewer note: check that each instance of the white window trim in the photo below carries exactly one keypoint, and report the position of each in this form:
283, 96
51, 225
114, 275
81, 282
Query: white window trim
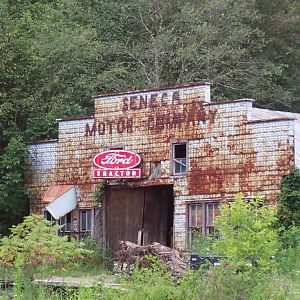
173, 159
80, 220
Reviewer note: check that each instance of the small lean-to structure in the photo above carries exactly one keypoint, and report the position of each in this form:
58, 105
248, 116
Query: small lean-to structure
153, 165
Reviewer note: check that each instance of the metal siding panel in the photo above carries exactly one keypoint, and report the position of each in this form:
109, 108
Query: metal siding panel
55, 191
63, 204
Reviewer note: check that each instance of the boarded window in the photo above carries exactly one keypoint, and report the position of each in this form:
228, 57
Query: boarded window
86, 220
179, 158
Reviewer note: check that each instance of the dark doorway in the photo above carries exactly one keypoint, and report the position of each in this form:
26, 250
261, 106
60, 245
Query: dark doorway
139, 215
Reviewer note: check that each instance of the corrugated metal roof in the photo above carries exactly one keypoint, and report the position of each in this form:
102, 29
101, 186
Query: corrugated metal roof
258, 114
64, 201
266, 114
55, 191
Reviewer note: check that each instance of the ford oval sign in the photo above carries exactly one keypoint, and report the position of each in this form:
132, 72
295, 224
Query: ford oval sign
117, 163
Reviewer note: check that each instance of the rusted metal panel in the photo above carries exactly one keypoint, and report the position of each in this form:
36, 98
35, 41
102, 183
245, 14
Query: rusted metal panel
55, 191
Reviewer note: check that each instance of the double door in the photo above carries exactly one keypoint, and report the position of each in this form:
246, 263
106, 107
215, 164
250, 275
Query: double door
139, 215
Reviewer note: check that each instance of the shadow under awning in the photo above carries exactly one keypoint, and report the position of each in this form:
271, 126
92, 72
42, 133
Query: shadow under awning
61, 200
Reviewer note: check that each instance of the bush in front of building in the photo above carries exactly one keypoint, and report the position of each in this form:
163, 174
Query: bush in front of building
34, 243
246, 232
288, 223
100, 258
219, 283
289, 200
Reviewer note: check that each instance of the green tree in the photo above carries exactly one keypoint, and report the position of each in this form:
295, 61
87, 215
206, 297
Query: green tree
13, 193
220, 41
246, 231
159, 43
289, 200
281, 21
47, 71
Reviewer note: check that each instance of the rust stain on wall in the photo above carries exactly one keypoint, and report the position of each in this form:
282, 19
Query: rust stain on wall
227, 151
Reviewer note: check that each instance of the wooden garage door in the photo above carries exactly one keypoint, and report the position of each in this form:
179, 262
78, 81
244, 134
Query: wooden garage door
123, 215
143, 215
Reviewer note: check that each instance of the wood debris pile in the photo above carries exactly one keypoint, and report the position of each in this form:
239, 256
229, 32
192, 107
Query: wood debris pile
131, 255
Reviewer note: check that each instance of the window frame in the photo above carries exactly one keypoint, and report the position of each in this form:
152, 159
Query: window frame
86, 222
205, 226
65, 223
174, 160
46, 213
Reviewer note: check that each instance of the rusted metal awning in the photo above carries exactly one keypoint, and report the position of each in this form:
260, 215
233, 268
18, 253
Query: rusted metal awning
60, 200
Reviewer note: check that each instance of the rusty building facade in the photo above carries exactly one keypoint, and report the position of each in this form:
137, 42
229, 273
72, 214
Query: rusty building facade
195, 153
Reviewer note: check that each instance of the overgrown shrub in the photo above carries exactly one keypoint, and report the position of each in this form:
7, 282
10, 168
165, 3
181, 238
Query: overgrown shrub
246, 232
154, 282
289, 254
289, 200
219, 283
202, 244
288, 224
35, 243
102, 258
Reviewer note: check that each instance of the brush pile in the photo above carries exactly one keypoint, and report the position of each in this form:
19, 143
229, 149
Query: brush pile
131, 255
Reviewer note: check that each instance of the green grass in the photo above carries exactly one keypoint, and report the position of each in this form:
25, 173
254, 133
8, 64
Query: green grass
6, 271
74, 272
217, 283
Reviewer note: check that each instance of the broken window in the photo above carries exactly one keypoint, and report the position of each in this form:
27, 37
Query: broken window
86, 220
201, 219
66, 222
180, 158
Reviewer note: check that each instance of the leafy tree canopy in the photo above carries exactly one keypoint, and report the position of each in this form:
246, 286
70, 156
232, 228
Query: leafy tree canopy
56, 54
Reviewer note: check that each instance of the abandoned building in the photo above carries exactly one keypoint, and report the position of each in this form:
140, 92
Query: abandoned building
154, 165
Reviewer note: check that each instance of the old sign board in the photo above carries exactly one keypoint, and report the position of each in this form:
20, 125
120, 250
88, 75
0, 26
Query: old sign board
117, 164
